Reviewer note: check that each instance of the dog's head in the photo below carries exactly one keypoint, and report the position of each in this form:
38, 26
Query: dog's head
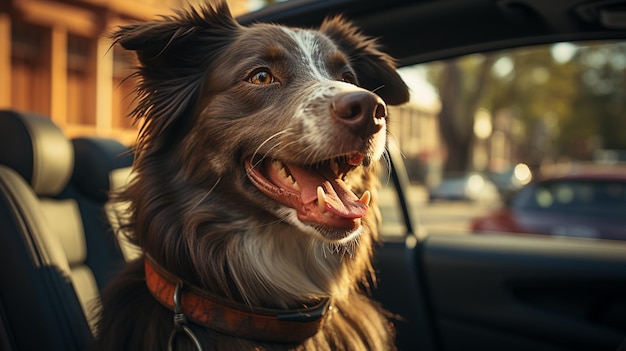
270, 118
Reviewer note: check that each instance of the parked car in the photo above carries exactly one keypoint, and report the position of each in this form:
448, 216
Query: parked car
586, 202
449, 292
512, 179
470, 186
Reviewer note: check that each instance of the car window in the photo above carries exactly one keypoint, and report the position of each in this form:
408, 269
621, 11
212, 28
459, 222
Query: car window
509, 116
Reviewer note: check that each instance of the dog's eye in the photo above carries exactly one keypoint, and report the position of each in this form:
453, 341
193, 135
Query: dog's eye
261, 78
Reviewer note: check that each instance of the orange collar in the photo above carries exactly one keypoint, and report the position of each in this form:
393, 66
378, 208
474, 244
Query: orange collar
260, 324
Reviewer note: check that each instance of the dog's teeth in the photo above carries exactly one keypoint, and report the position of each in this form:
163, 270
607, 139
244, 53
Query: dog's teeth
280, 169
293, 182
365, 199
321, 199
277, 165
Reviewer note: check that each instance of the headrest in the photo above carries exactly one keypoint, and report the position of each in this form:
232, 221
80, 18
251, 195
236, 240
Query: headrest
37, 149
95, 159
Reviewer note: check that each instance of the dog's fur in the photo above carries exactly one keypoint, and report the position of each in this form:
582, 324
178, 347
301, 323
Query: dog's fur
205, 110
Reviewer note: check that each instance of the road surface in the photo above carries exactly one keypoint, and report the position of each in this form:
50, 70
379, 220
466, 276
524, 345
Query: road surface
439, 217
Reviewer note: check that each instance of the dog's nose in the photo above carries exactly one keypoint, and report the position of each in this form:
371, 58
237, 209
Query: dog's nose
361, 112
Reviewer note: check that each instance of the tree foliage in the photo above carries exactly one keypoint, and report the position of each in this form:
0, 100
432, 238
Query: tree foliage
567, 100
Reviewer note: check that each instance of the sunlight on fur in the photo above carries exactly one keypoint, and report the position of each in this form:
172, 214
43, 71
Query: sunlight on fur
254, 199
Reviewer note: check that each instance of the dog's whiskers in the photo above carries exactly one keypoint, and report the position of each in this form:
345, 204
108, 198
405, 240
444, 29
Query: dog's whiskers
254, 154
387, 159
283, 146
260, 161
392, 142
205, 195
380, 87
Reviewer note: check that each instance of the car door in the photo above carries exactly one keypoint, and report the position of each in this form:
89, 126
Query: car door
456, 291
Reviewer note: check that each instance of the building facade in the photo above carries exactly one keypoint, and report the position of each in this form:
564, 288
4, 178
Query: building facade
56, 60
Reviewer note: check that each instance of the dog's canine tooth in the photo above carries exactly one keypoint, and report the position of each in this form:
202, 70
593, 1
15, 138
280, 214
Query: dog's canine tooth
365, 199
321, 199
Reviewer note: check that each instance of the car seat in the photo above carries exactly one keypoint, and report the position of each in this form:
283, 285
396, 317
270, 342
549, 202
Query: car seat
46, 288
101, 165
57, 249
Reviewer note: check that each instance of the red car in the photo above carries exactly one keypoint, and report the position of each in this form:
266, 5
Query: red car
587, 201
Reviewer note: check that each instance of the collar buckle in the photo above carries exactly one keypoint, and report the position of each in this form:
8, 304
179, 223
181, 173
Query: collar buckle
180, 323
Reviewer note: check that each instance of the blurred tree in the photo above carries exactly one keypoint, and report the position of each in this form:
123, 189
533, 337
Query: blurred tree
461, 84
603, 75
581, 99
541, 92
568, 105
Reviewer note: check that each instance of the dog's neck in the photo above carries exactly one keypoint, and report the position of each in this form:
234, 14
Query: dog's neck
189, 302
273, 266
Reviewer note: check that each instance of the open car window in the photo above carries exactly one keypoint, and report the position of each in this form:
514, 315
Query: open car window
509, 116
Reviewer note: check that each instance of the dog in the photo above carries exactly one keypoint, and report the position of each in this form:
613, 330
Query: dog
254, 195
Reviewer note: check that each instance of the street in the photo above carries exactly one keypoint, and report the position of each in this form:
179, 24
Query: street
439, 217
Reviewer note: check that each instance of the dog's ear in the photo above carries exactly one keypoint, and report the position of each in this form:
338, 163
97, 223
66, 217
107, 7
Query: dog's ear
375, 70
161, 41
174, 53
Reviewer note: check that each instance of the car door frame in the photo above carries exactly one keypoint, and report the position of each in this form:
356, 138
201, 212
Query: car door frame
500, 292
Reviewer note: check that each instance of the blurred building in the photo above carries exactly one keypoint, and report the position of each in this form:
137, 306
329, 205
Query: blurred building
56, 60
414, 127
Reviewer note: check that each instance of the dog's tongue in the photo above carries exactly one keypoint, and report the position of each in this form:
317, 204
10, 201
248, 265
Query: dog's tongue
338, 198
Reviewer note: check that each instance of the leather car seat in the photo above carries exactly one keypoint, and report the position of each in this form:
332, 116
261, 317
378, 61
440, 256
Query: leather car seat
102, 166
116, 211
46, 288
71, 182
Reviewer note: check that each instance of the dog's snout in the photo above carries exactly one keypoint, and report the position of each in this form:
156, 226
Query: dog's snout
361, 112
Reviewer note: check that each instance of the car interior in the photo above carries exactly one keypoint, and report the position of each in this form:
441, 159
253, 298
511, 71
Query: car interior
448, 292
54, 192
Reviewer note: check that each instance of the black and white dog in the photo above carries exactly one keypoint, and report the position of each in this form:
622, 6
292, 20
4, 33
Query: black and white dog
254, 199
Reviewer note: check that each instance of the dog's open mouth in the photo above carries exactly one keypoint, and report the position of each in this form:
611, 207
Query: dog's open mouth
317, 192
